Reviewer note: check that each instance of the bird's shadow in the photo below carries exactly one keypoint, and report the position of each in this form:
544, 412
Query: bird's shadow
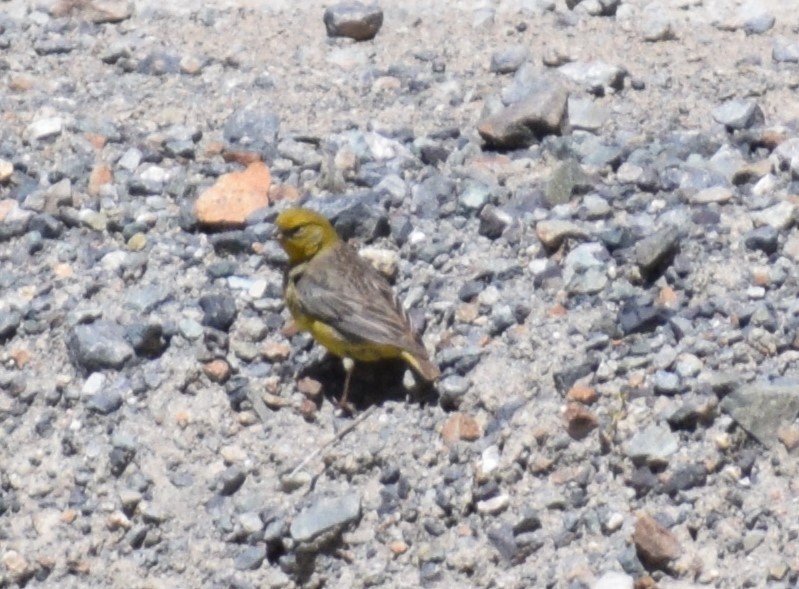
372, 383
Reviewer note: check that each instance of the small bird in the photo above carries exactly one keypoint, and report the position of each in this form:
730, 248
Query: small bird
345, 304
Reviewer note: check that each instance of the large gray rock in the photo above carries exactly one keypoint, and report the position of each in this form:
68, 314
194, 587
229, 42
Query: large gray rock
762, 407
542, 113
354, 20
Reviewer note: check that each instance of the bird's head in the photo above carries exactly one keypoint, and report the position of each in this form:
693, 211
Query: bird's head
303, 233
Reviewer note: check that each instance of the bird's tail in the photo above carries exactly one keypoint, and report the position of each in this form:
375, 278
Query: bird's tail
426, 368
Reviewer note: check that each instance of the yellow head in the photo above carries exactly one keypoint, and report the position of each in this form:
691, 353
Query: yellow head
303, 233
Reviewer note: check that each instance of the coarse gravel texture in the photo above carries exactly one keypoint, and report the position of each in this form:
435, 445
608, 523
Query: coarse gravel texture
591, 208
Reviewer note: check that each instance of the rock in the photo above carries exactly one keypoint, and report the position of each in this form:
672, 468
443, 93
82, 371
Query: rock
614, 580
6, 170
107, 11
580, 421
739, 114
460, 426
250, 558
765, 239
219, 311
779, 216
105, 402
714, 194
597, 76
567, 180
656, 546
552, 233
99, 345
509, 59
45, 128
785, 51
493, 222
542, 113
635, 318
586, 114
354, 20
234, 197
653, 446
324, 516
655, 252
10, 320
251, 134
761, 408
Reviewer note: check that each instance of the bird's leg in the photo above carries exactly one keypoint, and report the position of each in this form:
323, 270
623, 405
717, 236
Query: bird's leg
349, 366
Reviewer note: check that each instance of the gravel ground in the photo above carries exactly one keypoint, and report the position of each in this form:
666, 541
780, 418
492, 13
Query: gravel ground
591, 208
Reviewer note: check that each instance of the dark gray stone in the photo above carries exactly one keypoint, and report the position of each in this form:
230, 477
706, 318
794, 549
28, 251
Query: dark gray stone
655, 252
219, 311
10, 321
354, 20
765, 239
105, 402
250, 558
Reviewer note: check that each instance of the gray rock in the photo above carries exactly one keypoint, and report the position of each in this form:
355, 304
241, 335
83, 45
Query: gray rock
614, 580
764, 238
657, 250
552, 232
779, 216
48, 128
761, 408
785, 50
657, 28
10, 320
99, 345
567, 180
107, 11
219, 311
474, 195
666, 383
521, 124
354, 20
250, 558
105, 402
586, 114
597, 76
326, 515
585, 269
493, 221
509, 59
253, 128
652, 446
452, 389
739, 114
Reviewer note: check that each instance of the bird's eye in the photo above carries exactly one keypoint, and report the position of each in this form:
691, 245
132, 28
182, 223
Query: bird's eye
292, 232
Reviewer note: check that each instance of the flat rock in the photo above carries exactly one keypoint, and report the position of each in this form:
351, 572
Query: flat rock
595, 75
326, 515
653, 445
234, 197
761, 408
655, 544
739, 114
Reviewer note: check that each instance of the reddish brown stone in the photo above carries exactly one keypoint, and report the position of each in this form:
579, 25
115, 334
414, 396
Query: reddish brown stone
579, 421
582, 394
460, 426
234, 196
217, 370
100, 176
656, 546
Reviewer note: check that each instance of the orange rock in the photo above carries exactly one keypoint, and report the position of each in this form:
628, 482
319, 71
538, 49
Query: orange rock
309, 387
667, 297
183, 418
21, 357
308, 410
276, 351
6, 206
217, 370
460, 426
98, 141
582, 394
63, 270
234, 196
100, 176
789, 436
557, 311
398, 547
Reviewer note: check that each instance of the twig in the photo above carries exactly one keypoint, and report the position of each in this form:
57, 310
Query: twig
362, 417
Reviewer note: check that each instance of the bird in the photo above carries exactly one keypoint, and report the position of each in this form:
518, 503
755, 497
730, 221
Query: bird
342, 300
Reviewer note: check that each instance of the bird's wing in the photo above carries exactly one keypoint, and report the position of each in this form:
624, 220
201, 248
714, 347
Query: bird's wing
341, 289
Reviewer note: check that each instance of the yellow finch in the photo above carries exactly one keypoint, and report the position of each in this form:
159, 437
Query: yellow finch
344, 303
